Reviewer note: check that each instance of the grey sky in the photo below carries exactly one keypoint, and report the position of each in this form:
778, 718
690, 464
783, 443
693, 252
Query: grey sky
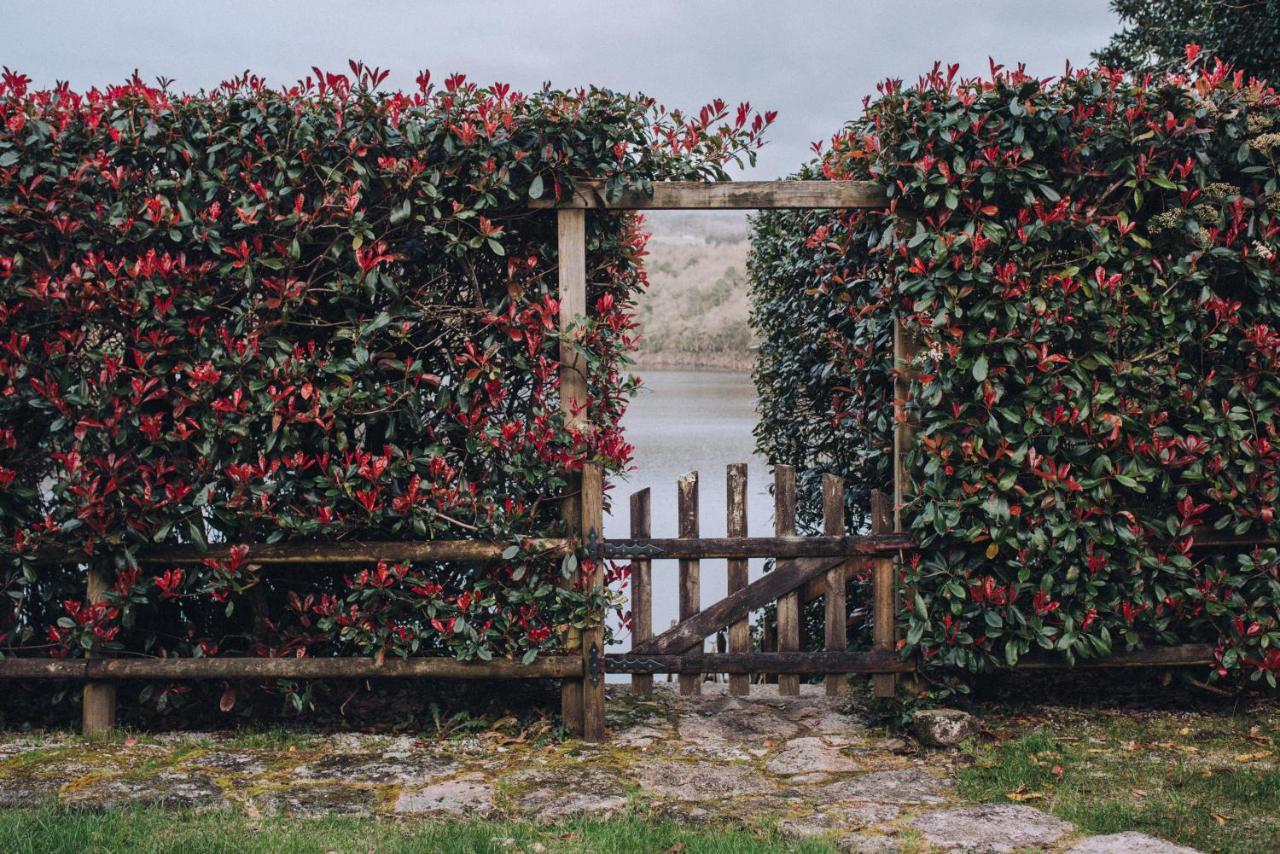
812, 61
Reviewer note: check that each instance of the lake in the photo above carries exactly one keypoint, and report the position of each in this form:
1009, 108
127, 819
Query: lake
691, 421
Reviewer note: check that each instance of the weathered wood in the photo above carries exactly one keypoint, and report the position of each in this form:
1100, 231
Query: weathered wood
115, 669
758, 662
836, 609
98, 711
736, 526
748, 547
905, 347
884, 632
785, 577
725, 195
784, 525
572, 292
641, 588
1183, 655
317, 554
593, 633
690, 570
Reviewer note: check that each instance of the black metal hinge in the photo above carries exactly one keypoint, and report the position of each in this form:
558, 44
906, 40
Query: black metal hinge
595, 664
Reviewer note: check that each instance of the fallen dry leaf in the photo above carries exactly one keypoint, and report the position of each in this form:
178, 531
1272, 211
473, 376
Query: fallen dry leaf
1252, 757
1024, 796
1219, 817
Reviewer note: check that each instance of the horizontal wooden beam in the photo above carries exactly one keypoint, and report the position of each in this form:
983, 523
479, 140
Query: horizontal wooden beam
551, 666
758, 662
728, 195
749, 547
1182, 655
788, 575
301, 554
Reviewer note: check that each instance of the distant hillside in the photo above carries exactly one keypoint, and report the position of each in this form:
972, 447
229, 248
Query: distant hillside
695, 311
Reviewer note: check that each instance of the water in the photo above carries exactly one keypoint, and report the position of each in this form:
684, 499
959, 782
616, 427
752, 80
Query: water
691, 421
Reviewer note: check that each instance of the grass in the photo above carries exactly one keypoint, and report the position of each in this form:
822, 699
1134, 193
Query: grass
143, 831
1212, 785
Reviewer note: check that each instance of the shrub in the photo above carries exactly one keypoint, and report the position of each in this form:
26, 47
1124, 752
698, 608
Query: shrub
1089, 265
311, 313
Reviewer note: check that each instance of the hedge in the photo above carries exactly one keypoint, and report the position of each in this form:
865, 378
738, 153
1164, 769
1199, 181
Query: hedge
317, 312
1089, 265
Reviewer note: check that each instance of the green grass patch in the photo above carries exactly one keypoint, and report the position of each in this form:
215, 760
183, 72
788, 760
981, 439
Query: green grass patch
1209, 792
143, 831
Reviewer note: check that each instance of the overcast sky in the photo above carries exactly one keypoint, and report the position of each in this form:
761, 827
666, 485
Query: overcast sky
811, 61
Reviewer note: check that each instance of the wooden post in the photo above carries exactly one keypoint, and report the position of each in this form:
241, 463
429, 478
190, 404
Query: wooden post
784, 525
98, 713
690, 570
641, 588
883, 604
736, 520
837, 612
593, 633
572, 282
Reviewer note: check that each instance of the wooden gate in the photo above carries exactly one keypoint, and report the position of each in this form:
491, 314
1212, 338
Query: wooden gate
806, 568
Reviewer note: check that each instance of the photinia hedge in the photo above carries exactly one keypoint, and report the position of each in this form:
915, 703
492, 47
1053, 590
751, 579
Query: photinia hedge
310, 313
1089, 266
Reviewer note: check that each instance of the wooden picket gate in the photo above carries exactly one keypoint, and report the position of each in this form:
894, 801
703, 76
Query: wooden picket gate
806, 568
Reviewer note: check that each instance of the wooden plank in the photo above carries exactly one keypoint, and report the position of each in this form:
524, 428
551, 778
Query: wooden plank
726, 195
884, 629
98, 711
836, 610
784, 525
641, 588
690, 570
786, 576
547, 667
1183, 655
313, 554
738, 568
748, 547
571, 227
593, 633
758, 662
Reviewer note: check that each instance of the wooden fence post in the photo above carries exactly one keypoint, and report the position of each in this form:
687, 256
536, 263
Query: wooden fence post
98, 712
837, 612
905, 347
593, 633
641, 588
690, 570
736, 521
784, 525
571, 227
884, 597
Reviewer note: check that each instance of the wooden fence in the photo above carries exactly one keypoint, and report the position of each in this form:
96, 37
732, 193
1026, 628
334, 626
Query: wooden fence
807, 567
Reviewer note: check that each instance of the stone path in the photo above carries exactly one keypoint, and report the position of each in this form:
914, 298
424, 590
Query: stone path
805, 765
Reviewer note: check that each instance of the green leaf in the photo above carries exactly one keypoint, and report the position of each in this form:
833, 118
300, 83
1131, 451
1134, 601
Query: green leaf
980, 368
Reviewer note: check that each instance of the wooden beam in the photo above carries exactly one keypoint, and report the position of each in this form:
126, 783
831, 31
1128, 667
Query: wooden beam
555, 666
835, 605
641, 588
690, 633
784, 525
728, 195
593, 633
905, 347
98, 707
736, 526
758, 662
1182, 655
748, 547
690, 570
884, 625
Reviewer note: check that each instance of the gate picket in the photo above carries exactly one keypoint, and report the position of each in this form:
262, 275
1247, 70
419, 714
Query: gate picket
837, 612
784, 525
690, 570
641, 589
739, 630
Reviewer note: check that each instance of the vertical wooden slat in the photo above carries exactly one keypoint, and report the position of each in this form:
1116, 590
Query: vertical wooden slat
641, 588
593, 633
98, 713
736, 520
572, 283
837, 613
883, 607
784, 525
690, 570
